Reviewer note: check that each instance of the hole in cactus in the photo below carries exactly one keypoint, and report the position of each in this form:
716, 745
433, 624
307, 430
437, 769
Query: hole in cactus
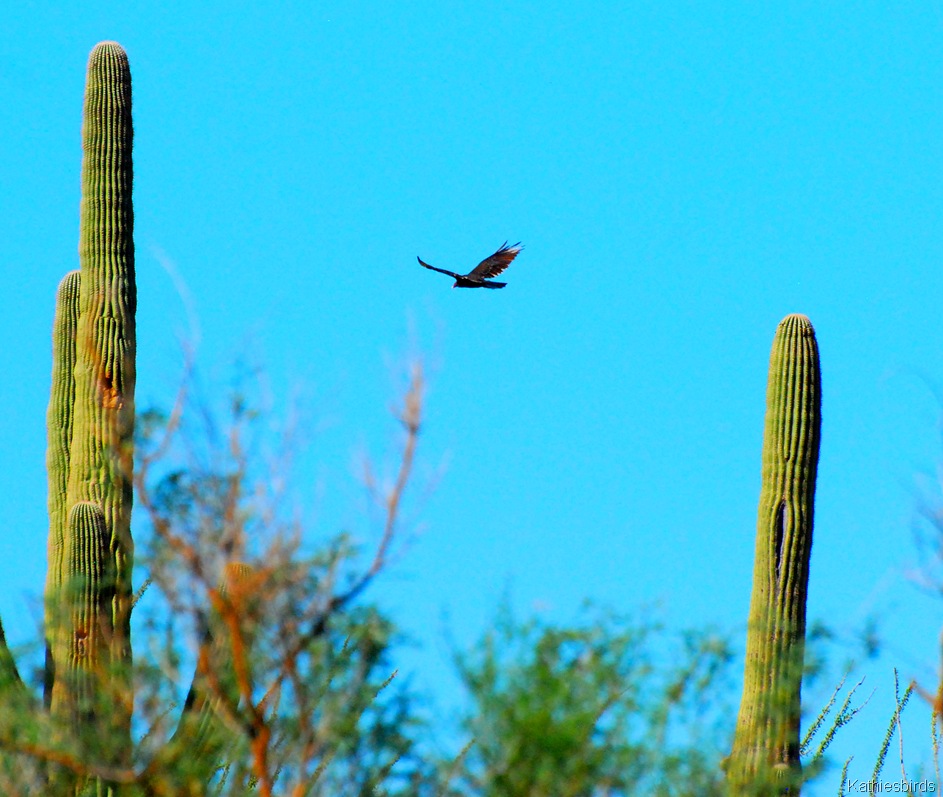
81, 642
779, 533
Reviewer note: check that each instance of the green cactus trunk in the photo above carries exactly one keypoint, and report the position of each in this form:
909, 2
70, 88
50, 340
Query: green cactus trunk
89, 579
765, 756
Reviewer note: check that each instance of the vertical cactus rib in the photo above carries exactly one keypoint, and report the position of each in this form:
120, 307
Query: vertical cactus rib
101, 452
59, 440
765, 755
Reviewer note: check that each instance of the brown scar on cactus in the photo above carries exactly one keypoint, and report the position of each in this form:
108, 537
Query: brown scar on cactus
111, 398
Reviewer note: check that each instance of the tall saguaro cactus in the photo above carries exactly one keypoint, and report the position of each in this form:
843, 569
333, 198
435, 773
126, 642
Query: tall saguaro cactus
765, 756
78, 742
89, 580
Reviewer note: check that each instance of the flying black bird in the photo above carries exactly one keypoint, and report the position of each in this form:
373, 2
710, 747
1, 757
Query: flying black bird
489, 267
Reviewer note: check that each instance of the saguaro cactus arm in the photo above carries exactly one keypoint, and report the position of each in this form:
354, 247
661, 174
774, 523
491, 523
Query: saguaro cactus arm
59, 417
765, 756
59, 441
86, 627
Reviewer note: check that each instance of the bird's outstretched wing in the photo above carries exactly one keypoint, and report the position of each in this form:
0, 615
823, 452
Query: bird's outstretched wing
494, 265
440, 270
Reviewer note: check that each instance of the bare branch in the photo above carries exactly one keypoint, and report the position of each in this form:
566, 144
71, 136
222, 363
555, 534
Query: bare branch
410, 417
70, 762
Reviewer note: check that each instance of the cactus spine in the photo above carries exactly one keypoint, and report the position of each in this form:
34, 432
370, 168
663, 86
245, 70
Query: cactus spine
89, 579
765, 756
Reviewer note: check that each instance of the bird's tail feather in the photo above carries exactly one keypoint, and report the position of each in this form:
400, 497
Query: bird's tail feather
490, 284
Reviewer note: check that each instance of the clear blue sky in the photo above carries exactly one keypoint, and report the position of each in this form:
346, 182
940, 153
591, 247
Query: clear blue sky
682, 175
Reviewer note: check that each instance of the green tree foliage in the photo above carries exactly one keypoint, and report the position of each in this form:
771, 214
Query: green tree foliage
606, 706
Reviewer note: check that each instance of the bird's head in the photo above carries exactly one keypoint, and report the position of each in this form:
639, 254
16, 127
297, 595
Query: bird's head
455, 284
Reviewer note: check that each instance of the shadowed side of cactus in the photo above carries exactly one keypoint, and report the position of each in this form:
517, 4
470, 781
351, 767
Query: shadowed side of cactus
82, 700
59, 440
765, 755
101, 452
